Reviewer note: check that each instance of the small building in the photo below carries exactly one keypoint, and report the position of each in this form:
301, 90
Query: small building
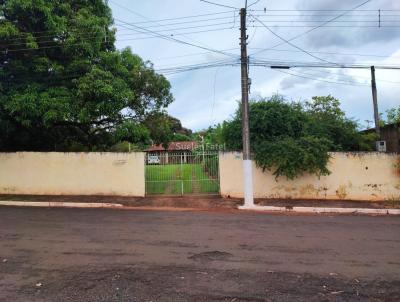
390, 133
176, 152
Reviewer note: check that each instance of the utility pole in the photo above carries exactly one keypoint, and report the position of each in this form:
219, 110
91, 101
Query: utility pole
247, 165
375, 101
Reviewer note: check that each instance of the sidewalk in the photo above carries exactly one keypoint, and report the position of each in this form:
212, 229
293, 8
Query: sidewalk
204, 203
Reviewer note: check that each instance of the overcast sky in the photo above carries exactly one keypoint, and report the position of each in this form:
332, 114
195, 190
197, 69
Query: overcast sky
208, 96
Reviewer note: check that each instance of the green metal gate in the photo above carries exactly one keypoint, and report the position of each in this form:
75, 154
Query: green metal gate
180, 173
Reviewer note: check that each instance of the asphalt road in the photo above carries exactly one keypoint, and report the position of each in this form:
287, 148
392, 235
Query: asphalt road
117, 255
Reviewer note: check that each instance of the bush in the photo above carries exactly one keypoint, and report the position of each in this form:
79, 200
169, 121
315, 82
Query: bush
124, 147
291, 138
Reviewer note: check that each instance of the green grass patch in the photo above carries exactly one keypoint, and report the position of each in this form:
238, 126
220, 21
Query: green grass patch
172, 179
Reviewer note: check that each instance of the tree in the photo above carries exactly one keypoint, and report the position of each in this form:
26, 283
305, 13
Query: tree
178, 137
326, 119
393, 115
159, 125
292, 138
63, 82
212, 137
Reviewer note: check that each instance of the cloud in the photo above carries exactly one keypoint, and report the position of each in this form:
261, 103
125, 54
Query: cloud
351, 35
194, 91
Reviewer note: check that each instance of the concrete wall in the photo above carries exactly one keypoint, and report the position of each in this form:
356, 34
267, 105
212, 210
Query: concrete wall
355, 176
72, 173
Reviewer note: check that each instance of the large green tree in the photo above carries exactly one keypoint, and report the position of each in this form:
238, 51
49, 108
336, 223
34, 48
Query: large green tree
63, 82
291, 138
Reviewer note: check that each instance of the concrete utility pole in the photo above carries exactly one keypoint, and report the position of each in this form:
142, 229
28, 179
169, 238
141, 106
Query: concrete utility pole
247, 165
375, 100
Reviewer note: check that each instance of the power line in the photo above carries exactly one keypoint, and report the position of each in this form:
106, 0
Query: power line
322, 21
193, 54
192, 27
329, 26
326, 10
185, 22
50, 46
254, 3
174, 66
318, 26
358, 76
331, 74
321, 80
170, 19
23, 35
176, 40
323, 52
287, 65
166, 37
171, 71
290, 43
218, 4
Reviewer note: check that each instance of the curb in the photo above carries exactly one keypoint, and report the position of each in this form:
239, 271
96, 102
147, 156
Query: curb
315, 210
59, 204
320, 210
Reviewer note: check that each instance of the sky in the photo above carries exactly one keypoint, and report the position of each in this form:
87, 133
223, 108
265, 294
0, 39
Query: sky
208, 96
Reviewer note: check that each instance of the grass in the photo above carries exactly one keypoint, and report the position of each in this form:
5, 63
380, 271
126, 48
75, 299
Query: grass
172, 179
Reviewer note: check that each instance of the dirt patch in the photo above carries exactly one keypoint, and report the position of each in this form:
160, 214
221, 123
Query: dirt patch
177, 283
211, 256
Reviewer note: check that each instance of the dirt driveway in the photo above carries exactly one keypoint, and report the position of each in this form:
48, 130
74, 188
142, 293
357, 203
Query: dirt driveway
117, 255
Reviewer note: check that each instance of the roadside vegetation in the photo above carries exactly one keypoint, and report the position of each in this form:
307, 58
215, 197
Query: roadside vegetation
65, 87
292, 138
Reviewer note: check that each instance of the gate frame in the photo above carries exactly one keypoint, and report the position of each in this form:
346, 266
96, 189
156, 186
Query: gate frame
170, 182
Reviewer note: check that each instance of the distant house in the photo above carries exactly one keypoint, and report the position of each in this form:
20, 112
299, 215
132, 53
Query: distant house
391, 134
175, 153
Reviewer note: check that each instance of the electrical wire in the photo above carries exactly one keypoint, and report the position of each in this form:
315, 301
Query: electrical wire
185, 22
181, 69
288, 64
327, 10
321, 80
358, 76
318, 26
322, 52
291, 44
168, 38
195, 44
218, 4
254, 3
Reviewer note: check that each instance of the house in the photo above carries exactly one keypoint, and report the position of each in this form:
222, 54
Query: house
176, 152
391, 134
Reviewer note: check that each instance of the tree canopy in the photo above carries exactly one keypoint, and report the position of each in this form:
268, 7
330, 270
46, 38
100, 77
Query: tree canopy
291, 138
392, 115
63, 83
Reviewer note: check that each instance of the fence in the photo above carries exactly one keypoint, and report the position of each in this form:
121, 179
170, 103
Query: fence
355, 176
72, 173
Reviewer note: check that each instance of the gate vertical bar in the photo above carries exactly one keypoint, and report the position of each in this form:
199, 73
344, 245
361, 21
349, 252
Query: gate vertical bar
181, 175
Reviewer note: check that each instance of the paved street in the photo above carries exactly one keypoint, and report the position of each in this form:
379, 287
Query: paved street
119, 255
